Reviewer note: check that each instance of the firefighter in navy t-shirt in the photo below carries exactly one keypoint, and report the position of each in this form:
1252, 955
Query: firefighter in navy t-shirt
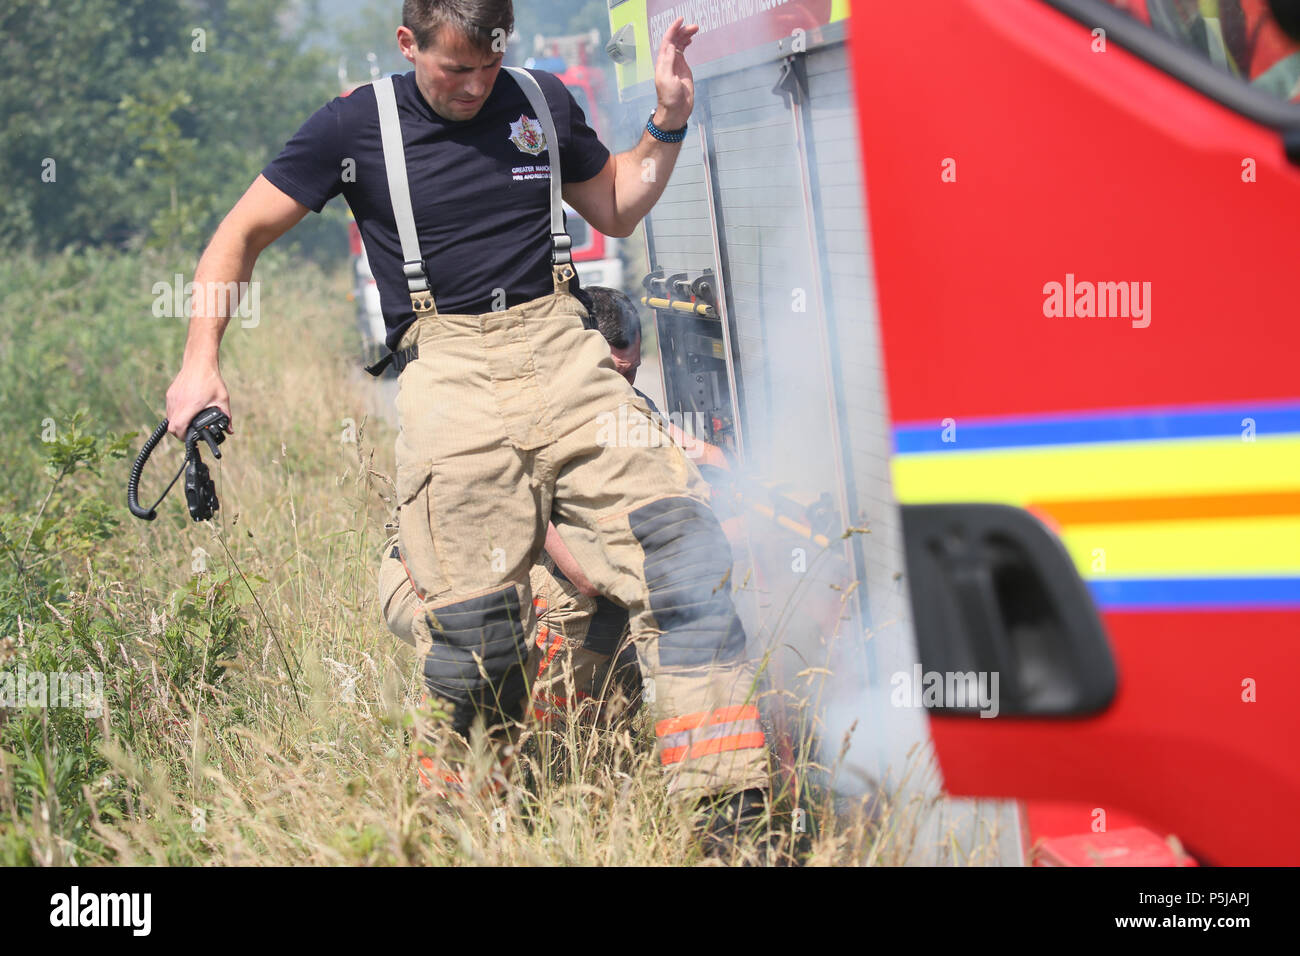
501, 386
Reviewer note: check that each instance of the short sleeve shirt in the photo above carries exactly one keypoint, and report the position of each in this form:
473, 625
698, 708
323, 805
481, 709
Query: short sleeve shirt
479, 189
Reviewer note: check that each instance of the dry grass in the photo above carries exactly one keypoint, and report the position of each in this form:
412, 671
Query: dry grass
286, 737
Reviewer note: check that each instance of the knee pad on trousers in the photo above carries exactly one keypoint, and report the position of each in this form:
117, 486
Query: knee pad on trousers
687, 563
488, 630
606, 628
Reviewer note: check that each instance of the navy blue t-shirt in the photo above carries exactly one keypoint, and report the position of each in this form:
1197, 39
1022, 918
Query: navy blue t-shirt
482, 204
648, 400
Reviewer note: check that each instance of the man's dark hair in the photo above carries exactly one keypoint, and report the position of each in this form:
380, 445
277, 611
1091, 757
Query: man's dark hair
476, 20
614, 313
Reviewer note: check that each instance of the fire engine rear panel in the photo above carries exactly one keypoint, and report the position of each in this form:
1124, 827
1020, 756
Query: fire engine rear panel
766, 232
851, 303
776, 210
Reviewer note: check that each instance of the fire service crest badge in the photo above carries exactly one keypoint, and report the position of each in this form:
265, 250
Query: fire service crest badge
526, 133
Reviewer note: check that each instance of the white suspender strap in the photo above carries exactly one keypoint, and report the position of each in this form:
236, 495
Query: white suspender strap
399, 193
560, 241
399, 189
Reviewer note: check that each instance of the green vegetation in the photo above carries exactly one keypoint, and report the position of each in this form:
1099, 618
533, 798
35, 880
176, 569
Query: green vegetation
139, 122
175, 617
142, 121
254, 707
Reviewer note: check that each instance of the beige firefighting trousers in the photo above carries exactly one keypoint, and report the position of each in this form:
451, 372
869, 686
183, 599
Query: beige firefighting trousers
510, 419
575, 668
580, 666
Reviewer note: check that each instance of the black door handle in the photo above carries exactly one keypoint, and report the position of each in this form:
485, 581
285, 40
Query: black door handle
995, 592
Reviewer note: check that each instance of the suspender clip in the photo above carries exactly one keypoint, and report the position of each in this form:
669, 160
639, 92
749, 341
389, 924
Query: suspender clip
416, 278
561, 243
422, 304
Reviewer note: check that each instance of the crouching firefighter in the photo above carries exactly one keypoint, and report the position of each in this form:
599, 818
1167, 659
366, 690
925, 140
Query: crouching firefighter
454, 173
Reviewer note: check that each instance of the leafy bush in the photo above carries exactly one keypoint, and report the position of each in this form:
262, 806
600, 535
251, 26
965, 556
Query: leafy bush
152, 139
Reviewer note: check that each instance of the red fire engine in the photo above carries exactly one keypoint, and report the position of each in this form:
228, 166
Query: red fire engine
1000, 290
595, 255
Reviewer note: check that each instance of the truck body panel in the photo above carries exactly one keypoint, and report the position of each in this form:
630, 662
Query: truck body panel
967, 257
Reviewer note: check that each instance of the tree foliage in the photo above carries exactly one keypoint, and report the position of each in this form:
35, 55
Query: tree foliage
133, 122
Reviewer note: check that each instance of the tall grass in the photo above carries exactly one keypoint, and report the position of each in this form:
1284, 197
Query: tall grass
256, 709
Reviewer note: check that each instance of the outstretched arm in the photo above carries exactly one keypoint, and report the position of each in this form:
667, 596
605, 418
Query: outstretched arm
620, 195
262, 215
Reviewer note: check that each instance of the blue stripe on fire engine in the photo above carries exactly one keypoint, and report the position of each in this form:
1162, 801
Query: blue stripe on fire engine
1133, 424
1155, 594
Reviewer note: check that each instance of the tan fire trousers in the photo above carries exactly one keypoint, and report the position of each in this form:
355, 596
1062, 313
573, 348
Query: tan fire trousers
512, 419
581, 666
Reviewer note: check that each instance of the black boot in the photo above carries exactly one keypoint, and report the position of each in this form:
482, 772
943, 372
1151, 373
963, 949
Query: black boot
735, 820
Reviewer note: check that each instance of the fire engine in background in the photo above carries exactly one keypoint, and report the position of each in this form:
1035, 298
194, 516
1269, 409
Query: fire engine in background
996, 296
595, 255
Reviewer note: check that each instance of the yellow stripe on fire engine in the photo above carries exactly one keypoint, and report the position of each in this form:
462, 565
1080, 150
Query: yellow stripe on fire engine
1221, 547
1157, 469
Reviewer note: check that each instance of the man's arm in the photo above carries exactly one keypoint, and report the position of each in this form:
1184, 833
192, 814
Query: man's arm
262, 215
698, 448
619, 196
567, 563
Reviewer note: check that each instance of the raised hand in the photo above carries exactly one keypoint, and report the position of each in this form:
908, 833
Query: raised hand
674, 83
